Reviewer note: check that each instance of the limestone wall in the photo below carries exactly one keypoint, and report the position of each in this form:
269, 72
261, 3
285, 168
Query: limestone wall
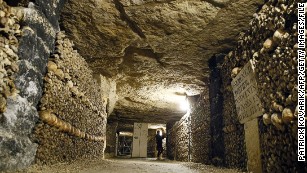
108, 92
35, 31
271, 44
72, 114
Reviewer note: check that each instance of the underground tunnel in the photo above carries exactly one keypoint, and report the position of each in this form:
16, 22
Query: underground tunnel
90, 86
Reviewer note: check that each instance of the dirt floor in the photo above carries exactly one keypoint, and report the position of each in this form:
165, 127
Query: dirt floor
125, 165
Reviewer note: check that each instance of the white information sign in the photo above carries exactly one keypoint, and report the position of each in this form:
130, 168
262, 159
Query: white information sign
245, 92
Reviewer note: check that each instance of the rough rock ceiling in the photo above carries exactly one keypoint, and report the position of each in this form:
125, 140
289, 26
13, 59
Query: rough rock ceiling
155, 48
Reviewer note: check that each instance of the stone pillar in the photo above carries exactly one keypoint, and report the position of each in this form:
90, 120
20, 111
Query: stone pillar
108, 92
151, 145
111, 136
170, 140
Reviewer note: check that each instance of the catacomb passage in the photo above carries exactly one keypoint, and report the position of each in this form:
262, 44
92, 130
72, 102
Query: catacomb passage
89, 86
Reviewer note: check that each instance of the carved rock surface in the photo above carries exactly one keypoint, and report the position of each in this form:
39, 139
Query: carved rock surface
153, 49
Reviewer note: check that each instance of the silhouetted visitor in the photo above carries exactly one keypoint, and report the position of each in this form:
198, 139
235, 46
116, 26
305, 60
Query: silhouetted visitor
159, 139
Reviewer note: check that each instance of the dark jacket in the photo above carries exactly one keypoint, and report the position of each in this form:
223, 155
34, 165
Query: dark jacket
159, 140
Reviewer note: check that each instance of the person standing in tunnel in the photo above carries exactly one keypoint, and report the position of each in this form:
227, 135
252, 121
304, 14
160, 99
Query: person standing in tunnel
159, 138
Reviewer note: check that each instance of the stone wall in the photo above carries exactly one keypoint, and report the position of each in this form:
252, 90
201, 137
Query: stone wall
108, 92
73, 117
110, 150
34, 47
271, 44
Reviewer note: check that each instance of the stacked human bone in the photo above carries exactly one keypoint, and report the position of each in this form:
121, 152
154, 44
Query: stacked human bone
235, 154
278, 150
51, 119
9, 31
73, 122
190, 138
271, 42
200, 128
171, 140
182, 140
178, 136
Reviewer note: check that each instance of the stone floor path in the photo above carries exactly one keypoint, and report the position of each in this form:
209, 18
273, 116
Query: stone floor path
125, 165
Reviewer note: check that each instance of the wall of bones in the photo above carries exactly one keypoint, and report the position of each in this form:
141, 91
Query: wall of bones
51, 108
271, 42
190, 138
27, 38
72, 119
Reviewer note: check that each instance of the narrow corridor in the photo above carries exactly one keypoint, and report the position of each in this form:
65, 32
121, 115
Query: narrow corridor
108, 86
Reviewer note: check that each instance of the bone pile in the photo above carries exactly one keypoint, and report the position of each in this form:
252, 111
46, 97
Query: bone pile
271, 42
200, 128
9, 33
52, 120
233, 131
73, 120
179, 140
182, 140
